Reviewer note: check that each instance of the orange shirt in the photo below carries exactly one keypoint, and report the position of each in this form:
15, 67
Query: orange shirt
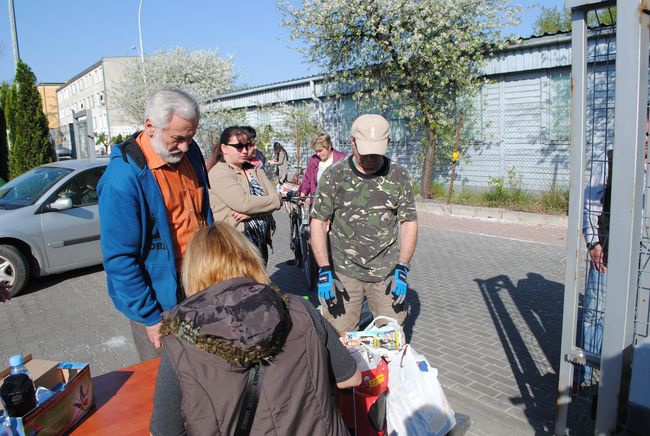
182, 193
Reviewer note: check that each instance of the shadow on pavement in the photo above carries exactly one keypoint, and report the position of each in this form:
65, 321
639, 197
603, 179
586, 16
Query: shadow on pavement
291, 280
539, 302
40, 283
413, 308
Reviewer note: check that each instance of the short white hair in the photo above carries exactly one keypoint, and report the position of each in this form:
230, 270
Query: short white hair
167, 102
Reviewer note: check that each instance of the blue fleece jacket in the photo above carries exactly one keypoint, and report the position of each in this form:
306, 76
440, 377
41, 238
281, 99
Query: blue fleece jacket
136, 240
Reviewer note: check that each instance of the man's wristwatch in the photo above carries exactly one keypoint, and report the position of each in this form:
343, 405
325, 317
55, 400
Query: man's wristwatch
591, 245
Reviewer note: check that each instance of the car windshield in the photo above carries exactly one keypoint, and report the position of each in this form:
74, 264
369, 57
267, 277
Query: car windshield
27, 188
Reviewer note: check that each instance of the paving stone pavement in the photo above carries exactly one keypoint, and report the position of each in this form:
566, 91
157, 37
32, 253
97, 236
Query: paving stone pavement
485, 310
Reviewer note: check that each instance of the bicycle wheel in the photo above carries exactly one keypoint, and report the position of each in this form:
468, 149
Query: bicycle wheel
308, 261
296, 245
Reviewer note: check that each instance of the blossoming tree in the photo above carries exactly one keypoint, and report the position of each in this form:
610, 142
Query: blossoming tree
204, 73
415, 57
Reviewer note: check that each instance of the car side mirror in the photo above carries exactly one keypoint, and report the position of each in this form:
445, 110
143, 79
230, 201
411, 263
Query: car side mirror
62, 203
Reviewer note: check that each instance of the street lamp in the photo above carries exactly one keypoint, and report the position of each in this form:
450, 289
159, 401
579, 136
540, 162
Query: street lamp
144, 75
14, 34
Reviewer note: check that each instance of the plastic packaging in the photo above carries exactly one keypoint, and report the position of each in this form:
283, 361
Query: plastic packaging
386, 340
5, 427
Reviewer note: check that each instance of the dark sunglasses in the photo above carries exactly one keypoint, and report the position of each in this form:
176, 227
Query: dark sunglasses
239, 146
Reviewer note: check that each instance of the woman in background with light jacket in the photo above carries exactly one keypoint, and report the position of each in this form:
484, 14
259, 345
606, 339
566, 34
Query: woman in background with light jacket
240, 194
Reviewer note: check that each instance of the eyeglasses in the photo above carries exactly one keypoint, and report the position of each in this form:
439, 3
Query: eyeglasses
239, 146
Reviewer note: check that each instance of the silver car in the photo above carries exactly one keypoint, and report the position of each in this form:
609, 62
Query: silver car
49, 221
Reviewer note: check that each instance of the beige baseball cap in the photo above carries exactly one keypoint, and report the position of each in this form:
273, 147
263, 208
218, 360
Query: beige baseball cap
371, 133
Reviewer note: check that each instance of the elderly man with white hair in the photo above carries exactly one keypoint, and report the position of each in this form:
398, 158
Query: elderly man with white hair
153, 197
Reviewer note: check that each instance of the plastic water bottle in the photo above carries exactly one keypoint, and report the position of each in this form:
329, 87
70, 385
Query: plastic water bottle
17, 365
17, 391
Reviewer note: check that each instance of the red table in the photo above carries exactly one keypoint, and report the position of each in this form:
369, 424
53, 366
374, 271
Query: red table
123, 401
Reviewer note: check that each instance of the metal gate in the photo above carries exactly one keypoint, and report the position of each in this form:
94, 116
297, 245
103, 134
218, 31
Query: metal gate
606, 304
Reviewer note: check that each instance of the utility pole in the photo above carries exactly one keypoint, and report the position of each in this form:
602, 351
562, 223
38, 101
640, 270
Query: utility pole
14, 36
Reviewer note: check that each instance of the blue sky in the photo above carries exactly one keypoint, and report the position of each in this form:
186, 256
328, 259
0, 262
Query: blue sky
60, 38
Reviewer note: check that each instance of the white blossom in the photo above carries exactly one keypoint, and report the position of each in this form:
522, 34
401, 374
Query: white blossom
416, 56
203, 73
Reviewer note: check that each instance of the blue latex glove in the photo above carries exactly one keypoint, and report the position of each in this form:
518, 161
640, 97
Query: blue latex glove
327, 286
397, 283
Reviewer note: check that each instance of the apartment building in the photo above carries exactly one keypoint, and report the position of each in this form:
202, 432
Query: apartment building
84, 105
50, 106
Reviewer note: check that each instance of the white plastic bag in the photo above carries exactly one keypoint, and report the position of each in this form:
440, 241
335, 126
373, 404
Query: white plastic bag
416, 403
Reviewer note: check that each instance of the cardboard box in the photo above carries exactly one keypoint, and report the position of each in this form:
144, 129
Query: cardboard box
65, 408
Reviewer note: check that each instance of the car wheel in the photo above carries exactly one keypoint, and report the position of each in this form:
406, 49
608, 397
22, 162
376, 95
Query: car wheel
14, 268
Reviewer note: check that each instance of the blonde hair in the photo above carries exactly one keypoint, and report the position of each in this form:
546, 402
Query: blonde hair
218, 253
321, 139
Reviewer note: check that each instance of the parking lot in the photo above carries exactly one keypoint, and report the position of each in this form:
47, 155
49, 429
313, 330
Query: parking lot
485, 308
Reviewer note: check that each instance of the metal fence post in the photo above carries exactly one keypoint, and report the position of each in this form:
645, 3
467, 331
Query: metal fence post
576, 194
627, 192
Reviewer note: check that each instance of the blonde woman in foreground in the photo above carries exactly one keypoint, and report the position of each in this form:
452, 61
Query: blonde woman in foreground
235, 339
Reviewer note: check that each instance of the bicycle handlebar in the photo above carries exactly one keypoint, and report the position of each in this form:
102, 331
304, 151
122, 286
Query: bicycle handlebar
294, 197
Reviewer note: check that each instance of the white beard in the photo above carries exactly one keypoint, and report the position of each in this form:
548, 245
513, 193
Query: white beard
159, 148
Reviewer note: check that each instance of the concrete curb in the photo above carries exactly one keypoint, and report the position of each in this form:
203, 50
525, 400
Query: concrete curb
489, 213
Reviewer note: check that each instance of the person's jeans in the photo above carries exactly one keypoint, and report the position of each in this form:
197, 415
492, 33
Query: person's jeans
593, 316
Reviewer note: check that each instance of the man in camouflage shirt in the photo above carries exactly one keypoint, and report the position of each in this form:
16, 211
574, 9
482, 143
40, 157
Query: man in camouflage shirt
369, 201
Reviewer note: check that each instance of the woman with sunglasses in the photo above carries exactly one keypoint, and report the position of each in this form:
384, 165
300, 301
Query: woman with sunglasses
240, 194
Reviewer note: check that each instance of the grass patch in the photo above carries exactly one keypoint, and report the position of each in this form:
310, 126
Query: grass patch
508, 194
556, 200
416, 188
468, 197
438, 190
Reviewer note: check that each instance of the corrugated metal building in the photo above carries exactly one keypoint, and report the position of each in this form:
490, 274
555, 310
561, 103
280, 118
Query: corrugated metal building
519, 127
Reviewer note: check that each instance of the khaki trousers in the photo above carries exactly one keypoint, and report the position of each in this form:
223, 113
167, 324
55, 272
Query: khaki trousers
344, 316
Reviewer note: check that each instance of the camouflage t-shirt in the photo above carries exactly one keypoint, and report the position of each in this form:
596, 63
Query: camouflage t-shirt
365, 210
